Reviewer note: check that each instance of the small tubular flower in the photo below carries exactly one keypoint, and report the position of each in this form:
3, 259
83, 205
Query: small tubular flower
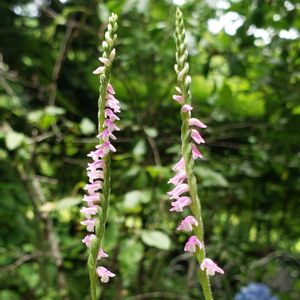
196, 136
196, 122
195, 152
178, 98
178, 178
90, 224
187, 224
187, 108
87, 240
191, 244
178, 190
180, 204
104, 274
89, 211
179, 166
101, 254
210, 267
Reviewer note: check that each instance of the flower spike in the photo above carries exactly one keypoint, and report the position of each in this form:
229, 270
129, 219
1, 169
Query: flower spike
98, 171
184, 194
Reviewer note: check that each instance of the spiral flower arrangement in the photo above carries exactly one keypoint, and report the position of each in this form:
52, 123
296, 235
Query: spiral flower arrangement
98, 171
184, 192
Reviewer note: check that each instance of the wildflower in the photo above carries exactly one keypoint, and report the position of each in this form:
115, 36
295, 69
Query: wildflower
98, 170
180, 203
89, 211
195, 152
179, 166
178, 98
87, 240
90, 224
187, 108
179, 178
196, 122
187, 223
178, 190
104, 274
196, 136
191, 244
101, 254
210, 267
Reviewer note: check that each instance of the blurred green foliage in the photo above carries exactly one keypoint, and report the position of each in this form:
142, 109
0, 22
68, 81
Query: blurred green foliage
245, 87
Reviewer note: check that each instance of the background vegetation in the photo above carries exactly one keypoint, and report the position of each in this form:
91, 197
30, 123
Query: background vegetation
245, 68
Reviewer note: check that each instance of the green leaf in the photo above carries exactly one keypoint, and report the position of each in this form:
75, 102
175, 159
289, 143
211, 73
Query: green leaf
156, 238
54, 110
133, 200
14, 139
151, 132
210, 178
87, 126
140, 149
132, 251
67, 202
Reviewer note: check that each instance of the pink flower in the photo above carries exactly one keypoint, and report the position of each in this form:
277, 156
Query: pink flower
110, 125
101, 254
105, 135
196, 122
211, 267
94, 175
197, 137
196, 153
98, 164
179, 178
95, 170
178, 98
93, 187
106, 147
178, 190
89, 211
187, 108
187, 224
90, 199
191, 244
108, 113
95, 155
112, 103
104, 274
180, 203
179, 166
87, 240
90, 224
105, 61
110, 89
99, 70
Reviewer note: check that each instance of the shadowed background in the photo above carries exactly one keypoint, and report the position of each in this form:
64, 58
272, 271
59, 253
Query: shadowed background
244, 58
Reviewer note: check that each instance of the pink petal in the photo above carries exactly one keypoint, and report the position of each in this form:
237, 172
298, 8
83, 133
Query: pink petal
99, 70
110, 89
178, 98
197, 137
104, 60
196, 153
196, 122
187, 108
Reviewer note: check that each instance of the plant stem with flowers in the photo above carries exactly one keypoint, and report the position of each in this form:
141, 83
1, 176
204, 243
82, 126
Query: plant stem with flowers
184, 180
99, 169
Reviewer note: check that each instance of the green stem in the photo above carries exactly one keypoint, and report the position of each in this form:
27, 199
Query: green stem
184, 86
108, 45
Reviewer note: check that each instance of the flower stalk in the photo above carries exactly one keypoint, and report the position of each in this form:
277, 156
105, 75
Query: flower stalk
184, 180
99, 169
